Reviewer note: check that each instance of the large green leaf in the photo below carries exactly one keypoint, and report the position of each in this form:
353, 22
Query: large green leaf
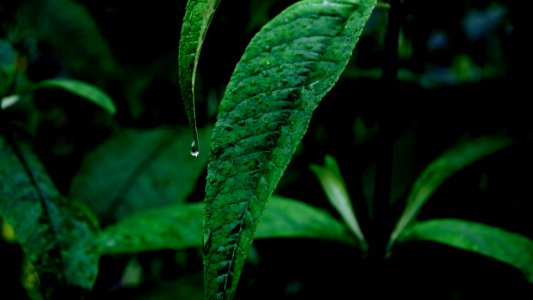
334, 186
285, 71
57, 237
83, 90
508, 247
179, 226
138, 169
198, 15
445, 166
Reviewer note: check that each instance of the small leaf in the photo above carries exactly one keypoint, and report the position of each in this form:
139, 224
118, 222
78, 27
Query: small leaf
198, 15
82, 89
285, 71
56, 237
137, 169
335, 188
445, 166
508, 247
179, 227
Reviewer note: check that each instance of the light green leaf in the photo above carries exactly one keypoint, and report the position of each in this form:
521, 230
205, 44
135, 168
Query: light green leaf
285, 71
82, 89
138, 169
198, 15
335, 188
445, 166
56, 236
179, 227
508, 247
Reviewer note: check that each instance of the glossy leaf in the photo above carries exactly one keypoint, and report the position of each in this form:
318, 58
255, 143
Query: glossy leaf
56, 236
179, 227
335, 188
445, 166
508, 247
82, 89
198, 15
138, 169
285, 71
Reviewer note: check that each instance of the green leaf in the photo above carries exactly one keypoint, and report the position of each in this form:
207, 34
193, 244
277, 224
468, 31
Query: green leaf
73, 34
508, 247
179, 227
82, 89
198, 15
138, 169
285, 71
7, 66
56, 236
335, 188
445, 166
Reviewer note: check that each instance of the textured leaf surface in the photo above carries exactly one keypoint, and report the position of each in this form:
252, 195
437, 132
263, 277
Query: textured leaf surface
136, 170
284, 73
508, 247
56, 237
82, 89
180, 226
445, 166
334, 186
198, 15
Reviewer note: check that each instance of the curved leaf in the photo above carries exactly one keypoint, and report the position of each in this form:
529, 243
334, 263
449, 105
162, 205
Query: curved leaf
180, 226
284, 73
56, 236
445, 166
508, 247
82, 89
135, 170
198, 15
335, 188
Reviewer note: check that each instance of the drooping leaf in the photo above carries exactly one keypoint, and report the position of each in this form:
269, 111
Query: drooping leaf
508, 247
179, 226
445, 166
73, 34
198, 15
285, 71
56, 236
82, 89
138, 169
335, 188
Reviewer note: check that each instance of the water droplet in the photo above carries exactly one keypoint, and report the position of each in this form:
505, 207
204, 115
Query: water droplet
195, 151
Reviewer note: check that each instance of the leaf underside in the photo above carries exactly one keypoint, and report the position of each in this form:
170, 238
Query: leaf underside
180, 226
198, 16
56, 236
284, 73
508, 247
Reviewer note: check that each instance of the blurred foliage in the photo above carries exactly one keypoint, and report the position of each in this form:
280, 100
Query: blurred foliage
463, 74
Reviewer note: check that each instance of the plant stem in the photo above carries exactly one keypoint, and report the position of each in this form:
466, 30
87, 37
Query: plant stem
381, 203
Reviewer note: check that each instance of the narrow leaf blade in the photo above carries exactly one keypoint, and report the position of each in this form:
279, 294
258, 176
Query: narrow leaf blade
180, 226
445, 166
333, 184
284, 73
198, 16
82, 89
508, 247
57, 238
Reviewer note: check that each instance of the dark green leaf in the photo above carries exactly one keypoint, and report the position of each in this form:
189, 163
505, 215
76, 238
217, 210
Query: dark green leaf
198, 15
508, 247
135, 170
445, 166
7, 67
284, 73
56, 236
335, 188
83, 90
179, 227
